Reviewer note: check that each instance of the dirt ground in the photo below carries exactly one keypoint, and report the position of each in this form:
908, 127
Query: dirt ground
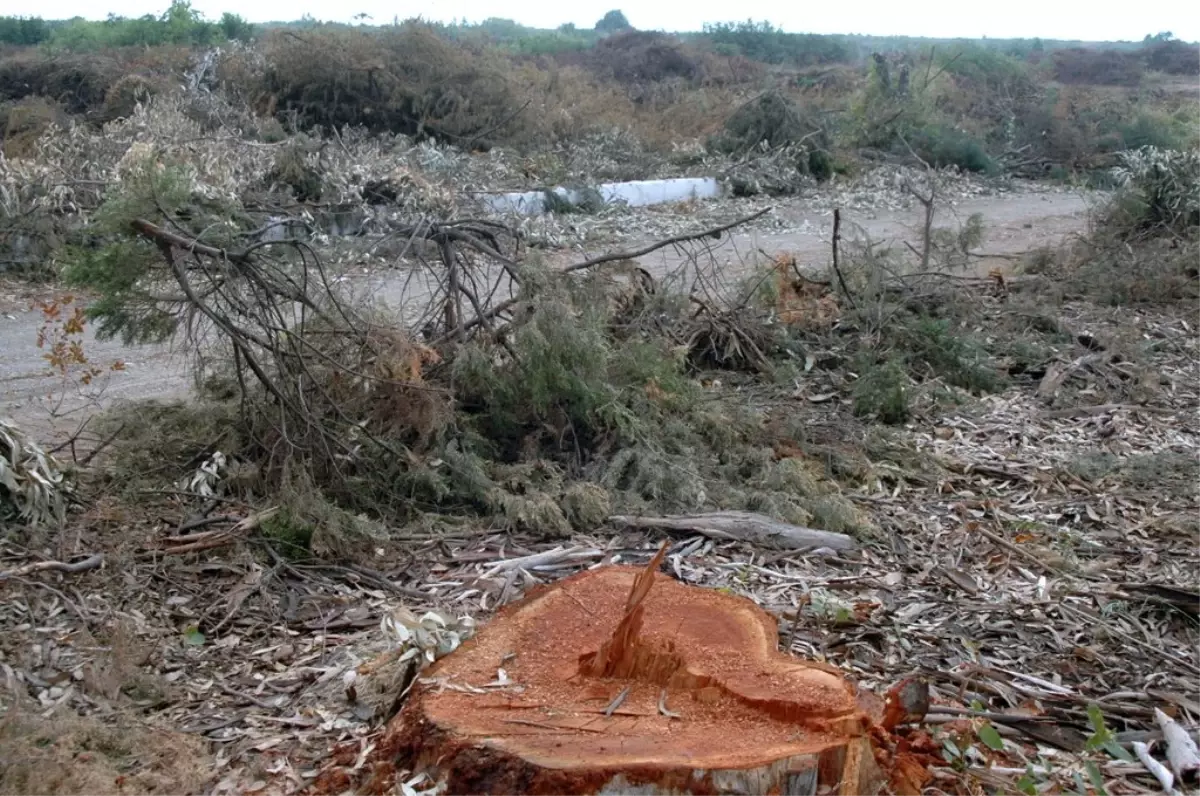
1017, 221
1010, 536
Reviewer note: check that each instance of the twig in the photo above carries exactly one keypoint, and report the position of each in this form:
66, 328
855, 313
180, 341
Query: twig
545, 726
555, 556
616, 703
1012, 548
207, 541
714, 232
57, 566
508, 304
94, 452
1160, 772
837, 236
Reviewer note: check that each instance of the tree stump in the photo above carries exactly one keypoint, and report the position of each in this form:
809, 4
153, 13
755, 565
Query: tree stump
623, 680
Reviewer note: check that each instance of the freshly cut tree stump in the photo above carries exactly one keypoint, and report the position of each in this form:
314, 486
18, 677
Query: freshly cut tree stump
623, 680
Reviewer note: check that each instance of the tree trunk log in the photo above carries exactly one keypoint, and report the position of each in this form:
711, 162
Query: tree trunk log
744, 526
623, 680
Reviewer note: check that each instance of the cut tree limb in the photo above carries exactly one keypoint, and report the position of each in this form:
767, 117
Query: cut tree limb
744, 526
58, 566
1182, 752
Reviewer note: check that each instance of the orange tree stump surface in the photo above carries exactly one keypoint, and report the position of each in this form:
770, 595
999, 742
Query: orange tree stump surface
749, 718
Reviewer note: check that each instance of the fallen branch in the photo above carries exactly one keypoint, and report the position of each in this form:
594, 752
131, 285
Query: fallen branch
193, 543
162, 236
555, 556
714, 232
497, 309
1160, 772
837, 269
744, 526
56, 566
1101, 409
1182, 752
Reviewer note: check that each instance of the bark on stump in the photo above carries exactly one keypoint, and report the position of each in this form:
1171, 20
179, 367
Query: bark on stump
709, 706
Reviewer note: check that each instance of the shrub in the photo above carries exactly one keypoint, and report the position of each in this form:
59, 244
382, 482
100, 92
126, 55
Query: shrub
77, 82
1097, 67
943, 145
1159, 193
124, 95
770, 120
23, 122
1173, 57
764, 42
933, 345
407, 80
881, 391
632, 57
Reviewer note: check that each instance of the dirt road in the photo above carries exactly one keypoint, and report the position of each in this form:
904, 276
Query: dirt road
38, 402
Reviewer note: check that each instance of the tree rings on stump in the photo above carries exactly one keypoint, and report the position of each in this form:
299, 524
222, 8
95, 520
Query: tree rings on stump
623, 680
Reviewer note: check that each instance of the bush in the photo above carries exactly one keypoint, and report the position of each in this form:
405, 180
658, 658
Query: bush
124, 95
1080, 66
23, 122
943, 145
407, 80
78, 82
569, 386
762, 41
1173, 57
638, 57
770, 120
1159, 194
881, 391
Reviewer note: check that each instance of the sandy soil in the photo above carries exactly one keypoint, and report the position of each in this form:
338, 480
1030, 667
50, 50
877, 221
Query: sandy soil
1015, 222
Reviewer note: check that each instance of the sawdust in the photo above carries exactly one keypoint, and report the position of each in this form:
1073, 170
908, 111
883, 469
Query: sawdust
66, 753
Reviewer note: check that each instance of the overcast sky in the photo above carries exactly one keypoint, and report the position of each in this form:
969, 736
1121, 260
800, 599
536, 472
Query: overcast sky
1052, 19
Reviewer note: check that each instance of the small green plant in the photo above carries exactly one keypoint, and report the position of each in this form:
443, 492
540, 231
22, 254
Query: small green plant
933, 344
882, 391
61, 337
1102, 737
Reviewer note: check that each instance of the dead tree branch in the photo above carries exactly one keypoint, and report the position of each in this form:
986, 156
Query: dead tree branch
91, 562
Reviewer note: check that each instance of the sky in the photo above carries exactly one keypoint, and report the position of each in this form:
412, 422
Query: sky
934, 18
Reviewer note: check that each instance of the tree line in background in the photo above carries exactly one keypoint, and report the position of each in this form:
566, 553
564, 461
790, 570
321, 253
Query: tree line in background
178, 25
181, 24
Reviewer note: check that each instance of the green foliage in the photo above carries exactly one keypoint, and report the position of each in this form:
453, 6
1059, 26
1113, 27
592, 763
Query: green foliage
881, 391
569, 381
762, 41
1159, 191
935, 346
127, 271
23, 31
180, 24
943, 145
613, 22
292, 169
771, 120
1102, 737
